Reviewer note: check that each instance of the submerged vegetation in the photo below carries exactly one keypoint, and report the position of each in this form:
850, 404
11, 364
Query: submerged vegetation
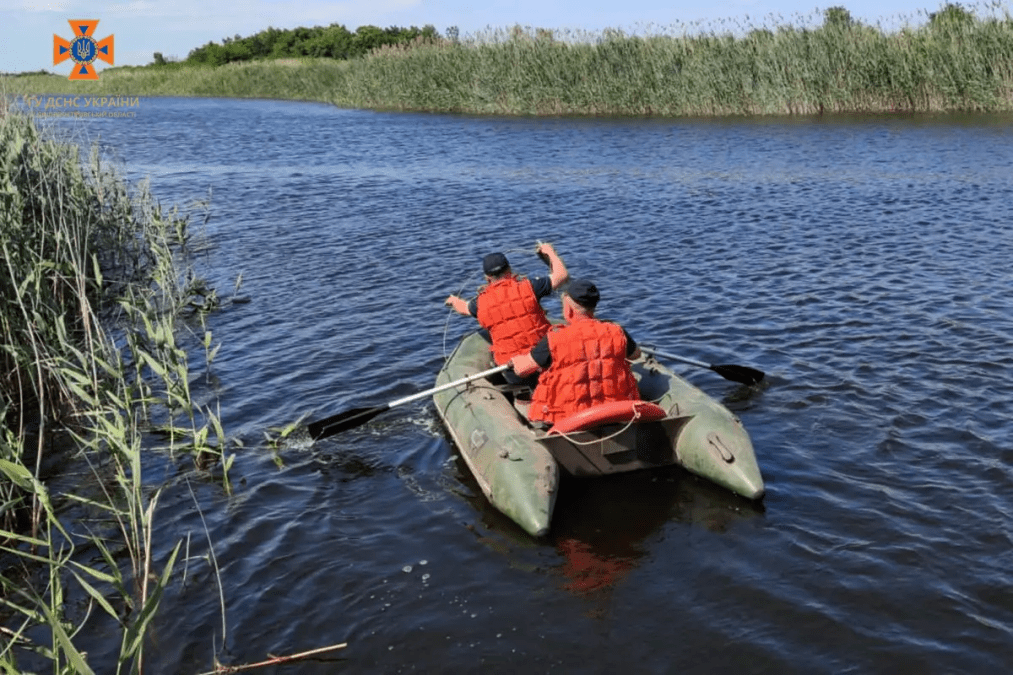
957, 60
94, 296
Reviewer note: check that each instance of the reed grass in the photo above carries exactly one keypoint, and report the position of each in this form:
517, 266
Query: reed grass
961, 64
956, 59
96, 279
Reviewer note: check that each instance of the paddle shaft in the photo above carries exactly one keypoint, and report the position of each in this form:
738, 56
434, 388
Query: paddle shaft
449, 385
740, 374
350, 419
684, 359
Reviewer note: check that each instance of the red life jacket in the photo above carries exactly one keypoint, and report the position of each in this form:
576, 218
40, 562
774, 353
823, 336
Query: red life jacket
509, 310
588, 367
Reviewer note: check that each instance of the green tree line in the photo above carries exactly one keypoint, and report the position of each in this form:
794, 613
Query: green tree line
333, 41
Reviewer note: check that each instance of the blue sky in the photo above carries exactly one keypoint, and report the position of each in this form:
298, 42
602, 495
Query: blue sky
174, 27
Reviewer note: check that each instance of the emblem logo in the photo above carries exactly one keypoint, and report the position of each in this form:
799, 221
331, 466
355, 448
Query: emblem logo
83, 49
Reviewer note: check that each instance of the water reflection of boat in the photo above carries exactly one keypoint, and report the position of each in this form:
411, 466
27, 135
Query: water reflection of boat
518, 466
602, 528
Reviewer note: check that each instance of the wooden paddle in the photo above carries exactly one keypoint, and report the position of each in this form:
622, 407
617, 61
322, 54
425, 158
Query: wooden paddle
357, 416
740, 374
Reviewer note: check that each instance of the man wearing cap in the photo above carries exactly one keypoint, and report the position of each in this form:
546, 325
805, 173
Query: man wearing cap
509, 306
585, 361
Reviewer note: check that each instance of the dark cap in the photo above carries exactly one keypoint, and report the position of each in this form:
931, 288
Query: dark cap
494, 263
583, 292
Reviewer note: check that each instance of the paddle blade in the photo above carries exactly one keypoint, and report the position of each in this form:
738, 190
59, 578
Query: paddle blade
741, 374
344, 421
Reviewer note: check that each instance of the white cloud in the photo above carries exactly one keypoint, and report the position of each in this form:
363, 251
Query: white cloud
232, 16
45, 7
223, 15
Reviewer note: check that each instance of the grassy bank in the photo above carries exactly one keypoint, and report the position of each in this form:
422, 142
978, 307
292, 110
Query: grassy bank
956, 61
93, 291
301, 80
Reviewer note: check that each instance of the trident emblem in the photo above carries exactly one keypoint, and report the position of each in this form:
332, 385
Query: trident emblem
82, 49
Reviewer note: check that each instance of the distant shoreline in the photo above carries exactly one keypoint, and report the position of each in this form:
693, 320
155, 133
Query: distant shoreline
956, 63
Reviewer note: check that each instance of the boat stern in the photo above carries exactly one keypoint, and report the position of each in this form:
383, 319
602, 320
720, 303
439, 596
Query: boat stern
713, 444
526, 491
515, 472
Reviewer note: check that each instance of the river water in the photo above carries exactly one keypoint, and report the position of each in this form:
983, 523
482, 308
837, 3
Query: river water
861, 262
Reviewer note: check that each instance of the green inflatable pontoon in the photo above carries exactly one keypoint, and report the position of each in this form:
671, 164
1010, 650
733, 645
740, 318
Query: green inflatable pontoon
517, 464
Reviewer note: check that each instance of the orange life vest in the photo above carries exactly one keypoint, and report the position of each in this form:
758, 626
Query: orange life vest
588, 367
509, 310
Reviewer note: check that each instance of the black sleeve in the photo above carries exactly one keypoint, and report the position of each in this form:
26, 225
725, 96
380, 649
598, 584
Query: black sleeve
473, 307
541, 353
631, 345
542, 286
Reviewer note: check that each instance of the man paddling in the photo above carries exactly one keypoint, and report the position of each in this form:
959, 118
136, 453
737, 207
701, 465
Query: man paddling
509, 306
585, 362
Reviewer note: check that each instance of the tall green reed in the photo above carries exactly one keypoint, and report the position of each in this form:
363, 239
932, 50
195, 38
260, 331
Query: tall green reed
95, 280
806, 67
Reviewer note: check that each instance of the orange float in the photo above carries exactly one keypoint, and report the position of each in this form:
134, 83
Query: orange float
610, 413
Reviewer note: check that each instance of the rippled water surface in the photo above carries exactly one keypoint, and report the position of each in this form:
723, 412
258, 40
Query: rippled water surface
862, 263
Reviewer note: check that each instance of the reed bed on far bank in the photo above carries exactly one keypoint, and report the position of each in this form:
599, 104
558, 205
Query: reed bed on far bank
954, 63
94, 283
955, 60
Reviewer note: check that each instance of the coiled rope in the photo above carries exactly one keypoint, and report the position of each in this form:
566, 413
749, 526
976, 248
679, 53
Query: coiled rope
569, 435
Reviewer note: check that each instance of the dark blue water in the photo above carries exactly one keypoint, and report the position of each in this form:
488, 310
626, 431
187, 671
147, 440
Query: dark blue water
862, 263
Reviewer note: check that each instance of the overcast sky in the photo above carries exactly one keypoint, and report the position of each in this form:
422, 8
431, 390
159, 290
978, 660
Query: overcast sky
174, 27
